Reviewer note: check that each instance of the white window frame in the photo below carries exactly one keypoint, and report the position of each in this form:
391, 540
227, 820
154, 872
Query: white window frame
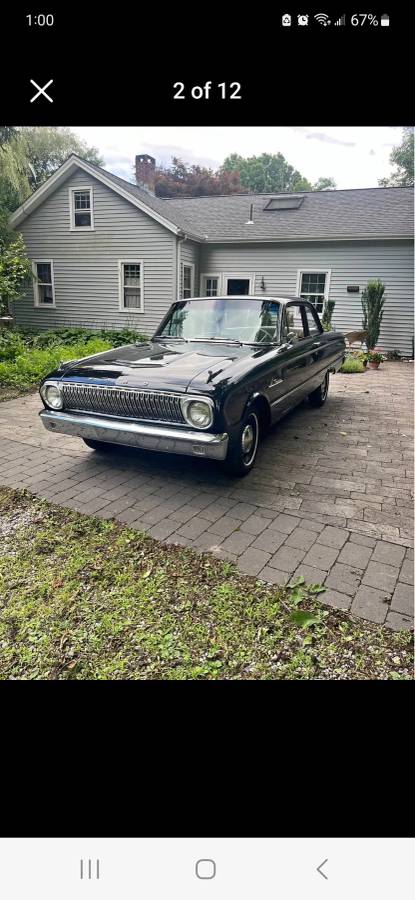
321, 271
203, 286
37, 302
72, 192
244, 275
130, 309
190, 266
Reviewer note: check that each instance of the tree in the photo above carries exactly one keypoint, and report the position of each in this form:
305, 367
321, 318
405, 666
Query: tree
181, 180
29, 155
373, 302
402, 156
325, 184
15, 270
48, 147
266, 173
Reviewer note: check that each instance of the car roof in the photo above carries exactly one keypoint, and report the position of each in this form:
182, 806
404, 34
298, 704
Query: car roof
286, 298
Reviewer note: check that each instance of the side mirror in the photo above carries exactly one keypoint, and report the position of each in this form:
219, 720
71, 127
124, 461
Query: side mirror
291, 336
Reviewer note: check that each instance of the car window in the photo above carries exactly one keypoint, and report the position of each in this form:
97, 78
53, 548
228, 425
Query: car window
313, 326
294, 322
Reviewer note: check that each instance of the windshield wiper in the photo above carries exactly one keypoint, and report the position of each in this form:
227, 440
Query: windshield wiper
169, 337
216, 340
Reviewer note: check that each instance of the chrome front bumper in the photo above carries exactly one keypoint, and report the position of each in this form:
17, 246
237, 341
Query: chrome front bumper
137, 434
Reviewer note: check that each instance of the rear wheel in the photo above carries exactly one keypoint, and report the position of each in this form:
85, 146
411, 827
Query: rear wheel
243, 450
319, 396
101, 446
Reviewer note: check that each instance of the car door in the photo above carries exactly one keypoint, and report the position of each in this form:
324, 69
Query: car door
296, 359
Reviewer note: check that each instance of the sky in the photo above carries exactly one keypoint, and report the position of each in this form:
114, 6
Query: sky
355, 157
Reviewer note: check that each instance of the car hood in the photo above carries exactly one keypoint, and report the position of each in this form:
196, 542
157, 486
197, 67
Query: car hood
159, 365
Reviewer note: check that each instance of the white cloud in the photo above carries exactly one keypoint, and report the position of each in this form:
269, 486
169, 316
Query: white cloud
353, 156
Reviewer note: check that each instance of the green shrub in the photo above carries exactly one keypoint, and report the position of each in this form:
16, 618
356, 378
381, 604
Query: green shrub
32, 364
57, 336
373, 302
393, 354
11, 344
351, 366
327, 315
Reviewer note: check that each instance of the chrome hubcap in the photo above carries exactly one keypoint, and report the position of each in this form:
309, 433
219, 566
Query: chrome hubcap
248, 438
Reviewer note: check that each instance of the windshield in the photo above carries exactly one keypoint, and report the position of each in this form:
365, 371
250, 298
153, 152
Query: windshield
224, 318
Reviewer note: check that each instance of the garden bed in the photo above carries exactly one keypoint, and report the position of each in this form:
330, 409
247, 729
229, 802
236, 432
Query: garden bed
26, 356
85, 598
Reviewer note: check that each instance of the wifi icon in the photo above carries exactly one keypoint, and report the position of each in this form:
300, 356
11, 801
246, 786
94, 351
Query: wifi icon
322, 18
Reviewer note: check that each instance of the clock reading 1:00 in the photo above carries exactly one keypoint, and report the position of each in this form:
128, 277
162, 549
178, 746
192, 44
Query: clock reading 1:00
40, 19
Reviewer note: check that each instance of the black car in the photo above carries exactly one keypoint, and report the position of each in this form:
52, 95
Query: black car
216, 374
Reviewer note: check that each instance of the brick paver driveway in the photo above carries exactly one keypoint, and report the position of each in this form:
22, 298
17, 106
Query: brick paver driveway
329, 498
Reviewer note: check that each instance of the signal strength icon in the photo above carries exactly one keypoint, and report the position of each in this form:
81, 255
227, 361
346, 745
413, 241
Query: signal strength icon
341, 21
322, 18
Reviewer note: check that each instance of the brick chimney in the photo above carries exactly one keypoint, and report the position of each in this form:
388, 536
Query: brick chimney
145, 167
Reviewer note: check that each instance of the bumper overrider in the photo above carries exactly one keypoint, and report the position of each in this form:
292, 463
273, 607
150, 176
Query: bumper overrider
137, 434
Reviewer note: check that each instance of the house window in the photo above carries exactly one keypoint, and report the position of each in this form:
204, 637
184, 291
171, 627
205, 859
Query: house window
188, 272
314, 286
44, 288
210, 285
131, 286
81, 205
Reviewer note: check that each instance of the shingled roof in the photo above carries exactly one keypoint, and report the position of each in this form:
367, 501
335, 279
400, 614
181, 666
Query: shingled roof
317, 215
323, 215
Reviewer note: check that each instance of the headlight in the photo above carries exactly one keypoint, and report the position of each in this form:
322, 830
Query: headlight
52, 395
198, 413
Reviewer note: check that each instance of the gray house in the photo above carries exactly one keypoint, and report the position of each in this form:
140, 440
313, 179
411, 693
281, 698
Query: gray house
108, 253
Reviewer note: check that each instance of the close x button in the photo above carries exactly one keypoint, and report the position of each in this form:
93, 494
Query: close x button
41, 91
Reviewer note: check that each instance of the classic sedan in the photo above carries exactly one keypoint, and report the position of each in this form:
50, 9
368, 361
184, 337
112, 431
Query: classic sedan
215, 375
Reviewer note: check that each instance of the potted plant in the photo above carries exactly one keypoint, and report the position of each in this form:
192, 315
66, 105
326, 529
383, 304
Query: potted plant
375, 360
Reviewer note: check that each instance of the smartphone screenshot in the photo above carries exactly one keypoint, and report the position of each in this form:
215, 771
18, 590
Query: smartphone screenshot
206, 443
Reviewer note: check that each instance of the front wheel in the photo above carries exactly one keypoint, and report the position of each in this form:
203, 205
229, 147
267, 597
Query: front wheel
318, 397
243, 450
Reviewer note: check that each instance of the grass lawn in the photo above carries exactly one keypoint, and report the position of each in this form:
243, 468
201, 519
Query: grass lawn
85, 598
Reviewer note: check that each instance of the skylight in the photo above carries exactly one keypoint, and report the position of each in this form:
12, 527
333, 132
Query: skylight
284, 201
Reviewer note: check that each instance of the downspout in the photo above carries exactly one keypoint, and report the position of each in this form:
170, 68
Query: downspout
181, 238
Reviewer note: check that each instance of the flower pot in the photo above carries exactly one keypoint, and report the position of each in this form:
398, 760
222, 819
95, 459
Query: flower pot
374, 365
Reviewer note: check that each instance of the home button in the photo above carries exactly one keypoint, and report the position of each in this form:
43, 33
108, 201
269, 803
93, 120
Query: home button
205, 868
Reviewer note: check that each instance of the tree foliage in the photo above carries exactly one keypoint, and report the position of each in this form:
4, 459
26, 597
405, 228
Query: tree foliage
373, 301
48, 147
271, 172
258, 174
181, 180
29, 155
266, 173
15, 270
325, 184
402, 156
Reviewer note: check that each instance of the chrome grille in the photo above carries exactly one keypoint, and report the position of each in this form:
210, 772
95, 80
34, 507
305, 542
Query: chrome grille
127, 402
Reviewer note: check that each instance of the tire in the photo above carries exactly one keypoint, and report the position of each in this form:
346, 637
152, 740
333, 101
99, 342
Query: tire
243, 449
100, 446
319, 396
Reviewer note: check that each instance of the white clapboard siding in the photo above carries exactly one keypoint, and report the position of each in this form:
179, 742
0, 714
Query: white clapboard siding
86, 264
350, 262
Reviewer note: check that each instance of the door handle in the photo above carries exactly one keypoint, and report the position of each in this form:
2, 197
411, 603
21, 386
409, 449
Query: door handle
317, 344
